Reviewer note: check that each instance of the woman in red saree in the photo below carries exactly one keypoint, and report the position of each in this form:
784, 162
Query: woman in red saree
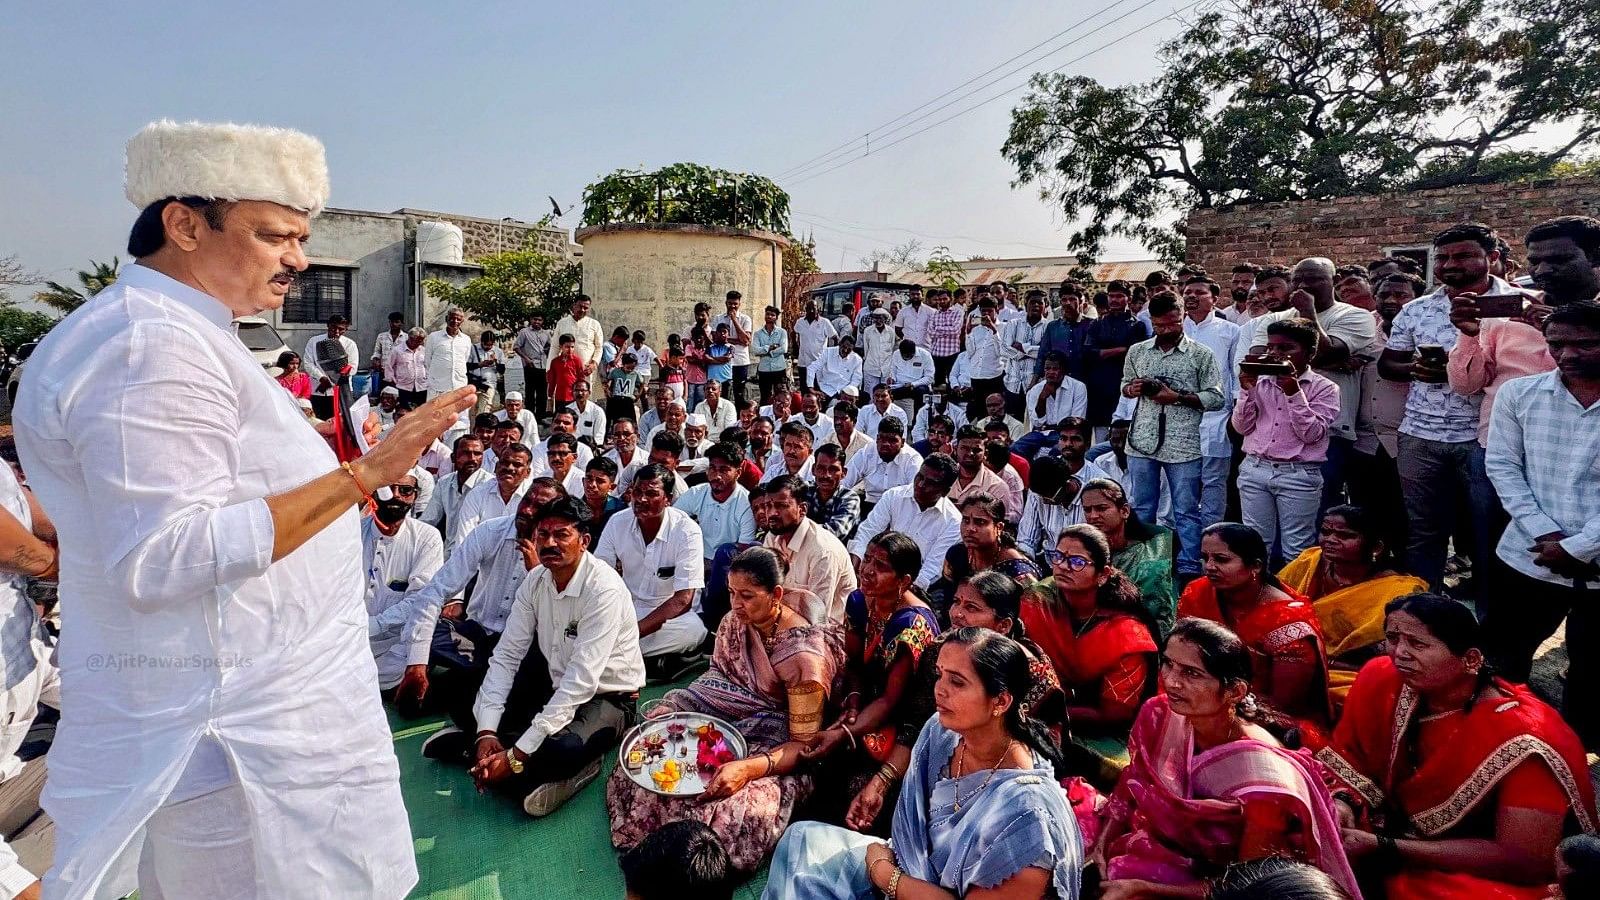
1453, 783
1209, 786
1087, 619
1279, 626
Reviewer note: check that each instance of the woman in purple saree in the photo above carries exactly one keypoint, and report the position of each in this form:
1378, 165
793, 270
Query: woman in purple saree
1207, 786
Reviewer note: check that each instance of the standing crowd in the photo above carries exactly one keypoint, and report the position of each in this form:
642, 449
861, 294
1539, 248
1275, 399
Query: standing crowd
1219, 585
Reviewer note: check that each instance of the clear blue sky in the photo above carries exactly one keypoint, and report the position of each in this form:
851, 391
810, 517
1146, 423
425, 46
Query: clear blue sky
485, 108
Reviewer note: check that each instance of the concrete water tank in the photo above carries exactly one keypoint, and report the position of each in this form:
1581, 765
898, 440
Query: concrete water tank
650, 276
439, 242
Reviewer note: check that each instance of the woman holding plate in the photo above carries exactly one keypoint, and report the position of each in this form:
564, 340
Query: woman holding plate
770, 676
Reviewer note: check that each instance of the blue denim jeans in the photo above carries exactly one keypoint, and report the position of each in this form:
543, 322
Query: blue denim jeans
1183, 483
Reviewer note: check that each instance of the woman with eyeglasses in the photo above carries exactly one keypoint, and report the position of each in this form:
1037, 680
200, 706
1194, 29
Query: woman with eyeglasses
1147, 554
1087, 619
1210, 784
1278, 625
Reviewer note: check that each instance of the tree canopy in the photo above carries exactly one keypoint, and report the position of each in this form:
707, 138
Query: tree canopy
514, 285
1264, 100
688, 194
93, 280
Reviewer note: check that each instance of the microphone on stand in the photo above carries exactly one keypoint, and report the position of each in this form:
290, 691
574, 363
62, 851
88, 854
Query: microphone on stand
335, 363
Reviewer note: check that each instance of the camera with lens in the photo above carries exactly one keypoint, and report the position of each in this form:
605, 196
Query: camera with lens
1150, 387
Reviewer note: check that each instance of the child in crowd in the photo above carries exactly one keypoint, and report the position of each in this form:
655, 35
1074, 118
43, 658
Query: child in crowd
563, 372
624, 385
679, 859
674, 372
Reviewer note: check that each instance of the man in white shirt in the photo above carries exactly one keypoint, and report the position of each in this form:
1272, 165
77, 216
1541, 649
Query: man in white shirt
882, 407
1221, 337
448, 351
452, 487
407, 367
591, 416
587, 334
994, 407
919, 510
910, 375
563, 422
572, 618
850, 439
561, 453
814, 334
672, 419
811, 416
1020, 339
912, 322
532, 346
740, 333
939, 404
337, 326
657, 550
493, 499
878, 345
794, 456
515, 410
984, 365
837, 370
719, 413
816, 561
888, 464
1054, 398
399, 556
721, 506
382, 346
195, 531
626, 453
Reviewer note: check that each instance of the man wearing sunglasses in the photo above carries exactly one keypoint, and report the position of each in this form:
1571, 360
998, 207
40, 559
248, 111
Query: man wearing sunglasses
399, 555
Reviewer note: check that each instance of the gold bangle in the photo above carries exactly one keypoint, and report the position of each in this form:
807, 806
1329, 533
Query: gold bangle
894, 884
850, 734
366, 495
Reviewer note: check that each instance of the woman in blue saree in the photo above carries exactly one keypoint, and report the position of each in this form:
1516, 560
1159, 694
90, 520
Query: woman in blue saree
980, 813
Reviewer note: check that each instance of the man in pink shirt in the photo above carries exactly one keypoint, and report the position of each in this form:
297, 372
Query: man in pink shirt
1563, 256
1286, 422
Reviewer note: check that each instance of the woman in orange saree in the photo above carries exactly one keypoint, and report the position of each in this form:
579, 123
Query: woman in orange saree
1453, 783
1349, 577
1277, 624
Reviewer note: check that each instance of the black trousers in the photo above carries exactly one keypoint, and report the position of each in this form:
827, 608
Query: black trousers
1523, 613
941, 368
1374, 484
768, 383
981, 389
417, 397
537, 389
741, 374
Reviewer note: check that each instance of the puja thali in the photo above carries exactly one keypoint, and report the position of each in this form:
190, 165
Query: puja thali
677, 754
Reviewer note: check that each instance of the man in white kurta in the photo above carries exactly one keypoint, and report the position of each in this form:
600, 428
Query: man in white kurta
448, 350
216, 675
399, 556
662, 570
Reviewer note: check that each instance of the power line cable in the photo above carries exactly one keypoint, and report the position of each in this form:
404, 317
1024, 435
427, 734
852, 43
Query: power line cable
867, 135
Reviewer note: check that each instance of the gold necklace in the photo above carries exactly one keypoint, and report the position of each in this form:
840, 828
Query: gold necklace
961, 759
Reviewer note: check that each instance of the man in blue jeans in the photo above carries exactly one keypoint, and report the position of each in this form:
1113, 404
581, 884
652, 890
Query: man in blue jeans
1176, 380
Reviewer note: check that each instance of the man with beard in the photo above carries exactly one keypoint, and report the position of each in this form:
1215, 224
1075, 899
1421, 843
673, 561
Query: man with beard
563, 422
399, 555
1054, 398
1021, 344
1374, 475
718, 413
830, 505
1564, 261
563, 684
815, 561
850, 439
1272, 294
451, 488
811, 416
836, 371
561, 452
720, 506
890, 464
496, 498
1065, 334
1105, 347
794, 445
657, 551
1440, 460
1221, 337
1354, 285
627, 455
760, 434
920, 510
1240, 285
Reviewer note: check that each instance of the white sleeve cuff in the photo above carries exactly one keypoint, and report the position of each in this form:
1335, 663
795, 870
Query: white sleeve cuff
242, 535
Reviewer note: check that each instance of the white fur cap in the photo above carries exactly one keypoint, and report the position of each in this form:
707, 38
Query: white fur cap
226, 162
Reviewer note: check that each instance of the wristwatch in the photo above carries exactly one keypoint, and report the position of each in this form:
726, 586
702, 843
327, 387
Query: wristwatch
512, 761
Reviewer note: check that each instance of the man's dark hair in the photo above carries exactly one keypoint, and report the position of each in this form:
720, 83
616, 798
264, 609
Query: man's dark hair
891, 425
969, 431
847, 409
1119, 287
1347, 272
469, 436
148, 233
830, 450
567, 509
1216, 289
337, 319
733, 434
602, 465
795, 485
1406, 264
507, 425
1071, 289
680, 859
547, 481
944, 467
1476, 232
997, 424
397, 317
734, 295
561, 439
1162, 303
796, 429
485, 420
1033, 295
743, 403
1581, 313
726, 451
1582, 230
1157, 278
1057, 357
660, 475
1267, 272
1242, 268
942, 419
1418, 286
1301, 331
667, 441
518, 448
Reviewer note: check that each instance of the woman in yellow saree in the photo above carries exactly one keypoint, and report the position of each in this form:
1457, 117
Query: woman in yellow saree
1348, 577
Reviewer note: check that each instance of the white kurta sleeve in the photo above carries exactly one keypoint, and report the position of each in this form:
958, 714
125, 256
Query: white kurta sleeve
421, 608
14, 878
933, 555
165, 518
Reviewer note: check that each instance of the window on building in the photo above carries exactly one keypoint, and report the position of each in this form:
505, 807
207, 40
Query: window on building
318, 294
1422, 253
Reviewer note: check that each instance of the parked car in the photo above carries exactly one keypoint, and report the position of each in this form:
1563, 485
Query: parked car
261, 339
14, 365
846, 299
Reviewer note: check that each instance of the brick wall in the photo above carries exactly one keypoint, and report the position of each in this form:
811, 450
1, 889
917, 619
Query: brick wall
1357, 229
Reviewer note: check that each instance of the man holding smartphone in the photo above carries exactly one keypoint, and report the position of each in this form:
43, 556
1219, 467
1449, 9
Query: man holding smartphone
1501, 333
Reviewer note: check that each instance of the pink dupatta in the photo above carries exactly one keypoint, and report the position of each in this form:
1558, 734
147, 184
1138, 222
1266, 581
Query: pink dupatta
1182, 814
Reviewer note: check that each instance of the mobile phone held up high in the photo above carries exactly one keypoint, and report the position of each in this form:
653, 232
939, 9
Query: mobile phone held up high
1501, 306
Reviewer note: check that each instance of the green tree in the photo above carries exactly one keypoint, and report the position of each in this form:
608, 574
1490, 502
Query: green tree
947, 271
1266, 100
688, 194
514, 285
17, 325
66, 299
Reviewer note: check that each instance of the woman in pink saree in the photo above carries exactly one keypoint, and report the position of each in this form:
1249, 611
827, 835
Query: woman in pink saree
1207, 785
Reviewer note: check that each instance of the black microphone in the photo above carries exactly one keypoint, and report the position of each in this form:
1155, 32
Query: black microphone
335, 364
